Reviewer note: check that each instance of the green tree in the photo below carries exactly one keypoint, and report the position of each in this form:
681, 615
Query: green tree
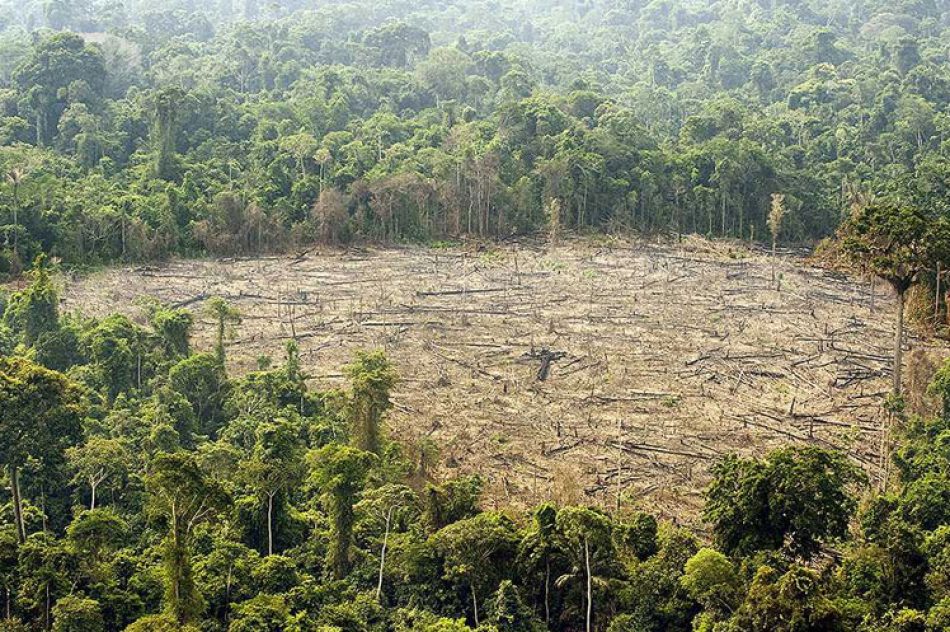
453, 500
182, 496
167, 106
538, 553
711, 579
201, 380
796, 498
57, 62
478, 552
41, 420
263, 613
95, 535
225, 574
226, 317
275, 465
896, 241
587, 538
9, 576
397, 42
160, 623
508, 612
115, 350
96, 461
34, 312
45, 569
389, 505
372, 378
76, 614
303, 147
338, 472
793, 602
174, 328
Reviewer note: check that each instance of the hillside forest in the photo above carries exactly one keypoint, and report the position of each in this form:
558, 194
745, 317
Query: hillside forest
131, 131
145, 488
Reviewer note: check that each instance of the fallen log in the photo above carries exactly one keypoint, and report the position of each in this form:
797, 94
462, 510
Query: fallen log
465, 292
190, 301
642, 447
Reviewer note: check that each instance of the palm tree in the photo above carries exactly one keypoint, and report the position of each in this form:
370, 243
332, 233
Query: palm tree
226, 317
586, 576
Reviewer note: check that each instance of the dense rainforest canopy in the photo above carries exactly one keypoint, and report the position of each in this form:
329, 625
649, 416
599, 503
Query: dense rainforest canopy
134, 130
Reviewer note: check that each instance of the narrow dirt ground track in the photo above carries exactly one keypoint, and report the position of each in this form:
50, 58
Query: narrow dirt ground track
579, 372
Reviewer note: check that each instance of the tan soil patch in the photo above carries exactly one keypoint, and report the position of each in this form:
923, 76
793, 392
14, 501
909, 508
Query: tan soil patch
665, 357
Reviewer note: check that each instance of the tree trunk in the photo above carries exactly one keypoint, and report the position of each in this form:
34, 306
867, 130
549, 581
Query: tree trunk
723, 215
937, 299
16, 221
589, 590
382, 555
899, 344
474, 603
227, 594
774, 248
270, 524
219, 343
17, 504
92, 502
547, 592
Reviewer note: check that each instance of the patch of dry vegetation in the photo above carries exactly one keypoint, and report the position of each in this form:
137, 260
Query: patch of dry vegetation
582, 371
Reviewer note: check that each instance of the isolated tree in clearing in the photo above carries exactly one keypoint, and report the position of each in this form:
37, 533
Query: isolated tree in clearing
896, 241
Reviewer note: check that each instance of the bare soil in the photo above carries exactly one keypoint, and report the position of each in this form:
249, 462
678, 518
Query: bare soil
583, 372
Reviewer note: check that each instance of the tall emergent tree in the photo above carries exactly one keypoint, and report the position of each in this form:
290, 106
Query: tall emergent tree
896, 241
339, 472
538, 550
96, 461
53, 73
372, 378
226, 317
477, 553
587, 538
167, 105
387, 506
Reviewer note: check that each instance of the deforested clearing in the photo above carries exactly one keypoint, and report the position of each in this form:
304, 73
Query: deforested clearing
575, 372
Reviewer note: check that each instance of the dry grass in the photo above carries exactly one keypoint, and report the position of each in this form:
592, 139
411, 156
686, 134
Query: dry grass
663, 357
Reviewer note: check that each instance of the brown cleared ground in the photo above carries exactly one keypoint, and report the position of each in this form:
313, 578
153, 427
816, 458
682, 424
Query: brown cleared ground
665, 357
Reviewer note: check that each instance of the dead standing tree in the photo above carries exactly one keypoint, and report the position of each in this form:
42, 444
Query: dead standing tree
776, 215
